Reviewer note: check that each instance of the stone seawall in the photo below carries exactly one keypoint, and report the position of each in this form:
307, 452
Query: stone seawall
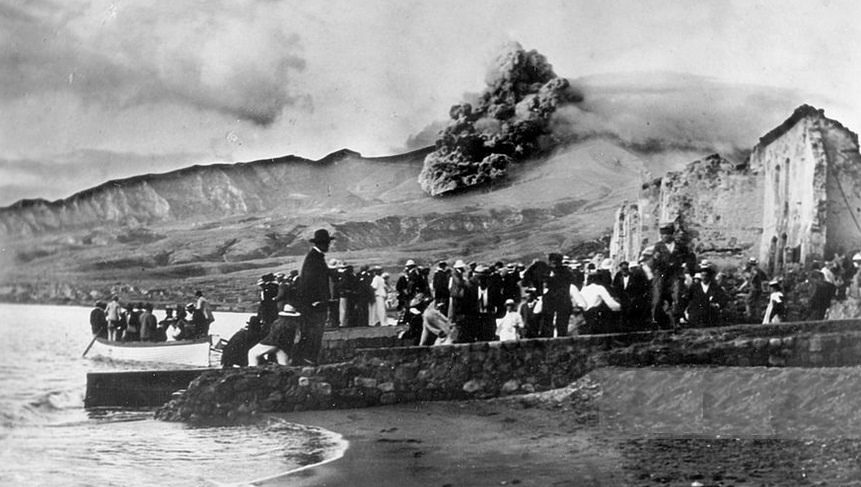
482, 370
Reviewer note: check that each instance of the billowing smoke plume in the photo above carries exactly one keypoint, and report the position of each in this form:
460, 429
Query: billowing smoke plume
668, 119
509, 122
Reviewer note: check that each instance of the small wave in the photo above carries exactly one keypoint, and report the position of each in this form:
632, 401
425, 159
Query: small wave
324, 447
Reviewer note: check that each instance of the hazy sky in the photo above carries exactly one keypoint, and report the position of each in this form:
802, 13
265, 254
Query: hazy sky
94, 90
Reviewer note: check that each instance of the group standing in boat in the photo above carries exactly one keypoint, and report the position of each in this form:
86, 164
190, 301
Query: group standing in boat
136, 321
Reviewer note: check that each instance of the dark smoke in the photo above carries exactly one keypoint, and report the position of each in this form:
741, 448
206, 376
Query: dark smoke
509, 122
667, 118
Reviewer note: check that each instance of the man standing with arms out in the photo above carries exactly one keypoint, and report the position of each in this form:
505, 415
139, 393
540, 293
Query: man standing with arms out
668, 258
313, 290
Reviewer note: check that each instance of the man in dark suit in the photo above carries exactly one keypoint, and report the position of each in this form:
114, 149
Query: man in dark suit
557, 299
441, 278
669, 259
706, 300
313, 293
631, 287
485, 306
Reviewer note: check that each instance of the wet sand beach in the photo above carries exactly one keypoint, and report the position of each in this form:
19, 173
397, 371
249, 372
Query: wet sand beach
456, 444
613, 427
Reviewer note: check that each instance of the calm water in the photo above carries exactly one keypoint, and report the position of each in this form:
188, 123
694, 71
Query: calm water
47, 437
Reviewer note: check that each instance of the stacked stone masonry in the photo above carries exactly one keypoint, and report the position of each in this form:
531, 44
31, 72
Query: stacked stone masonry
483, 370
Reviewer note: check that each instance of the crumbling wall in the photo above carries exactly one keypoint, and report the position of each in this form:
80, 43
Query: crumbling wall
626, 240
717, 202
843, 187
794, 165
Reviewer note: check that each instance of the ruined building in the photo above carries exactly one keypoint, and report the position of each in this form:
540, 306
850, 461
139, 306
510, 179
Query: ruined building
795, 200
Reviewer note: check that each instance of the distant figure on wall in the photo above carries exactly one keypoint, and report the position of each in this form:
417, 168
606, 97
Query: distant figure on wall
313, 293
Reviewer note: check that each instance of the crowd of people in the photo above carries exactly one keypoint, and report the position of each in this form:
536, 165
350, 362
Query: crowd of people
136, 322
667, 288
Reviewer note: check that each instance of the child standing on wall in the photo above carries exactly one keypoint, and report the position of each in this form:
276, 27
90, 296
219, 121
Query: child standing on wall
510, 326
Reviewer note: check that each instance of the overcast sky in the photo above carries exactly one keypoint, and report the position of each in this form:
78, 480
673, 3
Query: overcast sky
94, 90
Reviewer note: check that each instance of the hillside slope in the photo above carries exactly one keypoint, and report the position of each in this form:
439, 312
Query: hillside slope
222, 224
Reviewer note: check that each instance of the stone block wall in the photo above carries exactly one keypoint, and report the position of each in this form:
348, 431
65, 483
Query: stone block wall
483, 370
336, 350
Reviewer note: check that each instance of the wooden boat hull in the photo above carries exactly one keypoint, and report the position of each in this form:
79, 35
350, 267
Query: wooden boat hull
186, 352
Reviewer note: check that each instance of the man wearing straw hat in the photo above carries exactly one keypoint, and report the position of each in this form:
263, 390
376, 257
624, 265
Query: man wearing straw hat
313, 292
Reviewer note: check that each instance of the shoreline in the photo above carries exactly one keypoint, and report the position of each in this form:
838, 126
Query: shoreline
445, 443
613, 427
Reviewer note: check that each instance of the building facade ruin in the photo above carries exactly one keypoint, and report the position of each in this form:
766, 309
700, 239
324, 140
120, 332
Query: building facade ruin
797, 199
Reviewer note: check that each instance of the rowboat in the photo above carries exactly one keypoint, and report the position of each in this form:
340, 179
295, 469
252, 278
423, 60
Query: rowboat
183, 352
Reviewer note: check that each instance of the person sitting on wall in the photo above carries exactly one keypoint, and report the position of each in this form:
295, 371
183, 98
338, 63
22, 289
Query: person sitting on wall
280, 339
706, 300
436, 327
415, 318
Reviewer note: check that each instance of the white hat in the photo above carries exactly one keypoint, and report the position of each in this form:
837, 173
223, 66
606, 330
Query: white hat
288, 311
410, 263
509, 301
460, 264
857, 256
607, 264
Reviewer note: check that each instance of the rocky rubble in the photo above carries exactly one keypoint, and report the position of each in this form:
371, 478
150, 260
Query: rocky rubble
509, 123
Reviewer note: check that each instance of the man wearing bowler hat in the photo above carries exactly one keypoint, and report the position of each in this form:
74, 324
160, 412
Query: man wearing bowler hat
313, 292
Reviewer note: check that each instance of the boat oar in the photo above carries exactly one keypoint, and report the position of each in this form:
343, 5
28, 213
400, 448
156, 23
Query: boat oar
90, 345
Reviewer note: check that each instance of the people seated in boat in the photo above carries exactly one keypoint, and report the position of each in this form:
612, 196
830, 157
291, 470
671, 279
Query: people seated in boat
149, 324
280, 339
190, 326
235, 353
415, 318
173, 332
161, 331
98, 321
132, 332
